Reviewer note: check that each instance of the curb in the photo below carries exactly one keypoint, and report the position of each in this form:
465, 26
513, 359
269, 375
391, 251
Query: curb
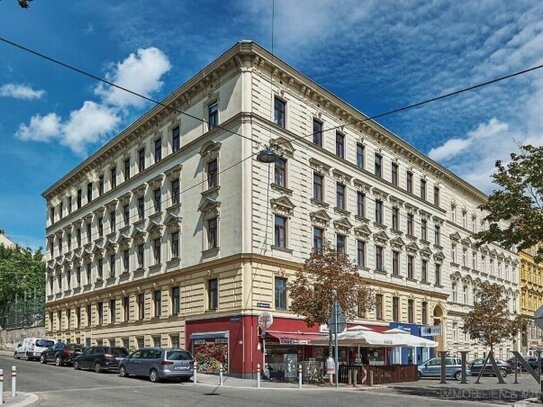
29, 398
227, 386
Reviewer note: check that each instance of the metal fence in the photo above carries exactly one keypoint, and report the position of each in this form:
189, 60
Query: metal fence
25, 313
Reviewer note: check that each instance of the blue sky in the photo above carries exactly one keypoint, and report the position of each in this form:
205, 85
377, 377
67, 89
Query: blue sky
377, 55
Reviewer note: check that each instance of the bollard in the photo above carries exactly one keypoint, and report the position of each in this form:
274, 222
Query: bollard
371, 378
1, 386
355, 377
221, 378
13, 381
195, 373
299, 376
516, 371
349, 376
258, 375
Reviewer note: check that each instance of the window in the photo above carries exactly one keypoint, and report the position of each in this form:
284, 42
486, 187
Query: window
112, 265
464, 257
474, 260
69, 241
212, 233
379, 306
100, 313
176, 300
157, 199
410, 223
340, 196
318, 182
78, 275
410, 267
340, 243
212, 294
280, 293
454, 292
395, 218
89, 192
423, 189
156, 250
361, 253
113, 175
158, 150
126, 308
89, 315
175, 245
379, 258
424, 271
89, 234
436, 196
394, 174
212, 115
280, 231
157, 303
112, 222
379, 212
281, 172
465, 294
409, 182
100, 227
453, 213
212, 181
340, 144
70, 204
318, 235
438, 275
100, 269
126, 214
141, 160
410, 311
100, 186
140, 255
317, 132
424, 312
89, 273
424, 229
79, 199
175, 191
52, 215
437, 235
176, 139
464, 219
141, 208
395, 263
61, 210
279, 112
453, 252
378, 165
141, 306
60, 246
395, 309
360, 150
455, 331
361, 204
112, 311
127, 169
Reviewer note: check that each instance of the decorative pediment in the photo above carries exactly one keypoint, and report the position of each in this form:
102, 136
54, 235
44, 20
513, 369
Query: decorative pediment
411, 209
493, 253
99, 212
379, 193
397, 242
501, 256
425, 252
209, 207
341, 176
155, 229
484, 249
467, 241
361, 185
319, 166
138, 235
439, 257
343, 225
124, 240
173, 222
320, 218
110, 246
125, 198
456, 276
425, 215
139, 191
98, 251
395, 201
87, 253
156, 181
455, 236
412, 248
210, 150
362, 231
381, 237
437, 219
68, 229
111, 206
282, 206
174, 172
282, 146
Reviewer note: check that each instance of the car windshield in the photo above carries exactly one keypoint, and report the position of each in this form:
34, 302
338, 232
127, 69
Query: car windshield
178, 355
118, 351
44, 343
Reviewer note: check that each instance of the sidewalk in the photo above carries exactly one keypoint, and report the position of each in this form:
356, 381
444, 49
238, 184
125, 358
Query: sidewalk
20, 400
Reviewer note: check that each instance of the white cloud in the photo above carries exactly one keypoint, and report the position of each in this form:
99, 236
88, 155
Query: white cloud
40, 128
17, 91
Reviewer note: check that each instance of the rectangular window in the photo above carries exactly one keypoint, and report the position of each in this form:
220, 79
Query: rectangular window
112, 222
340, 196
126, 214
279, 112
454, 292
318, 235
100, 313
157, 199
361, 204
78, 275
89, 233
79, 198
141, 259
157, 303
176, 300
175, 245
340, 243
176, 139
410, 311
212, 115
100, 269
361, 253
89, 315
127, 169
410, 224
212, 173
141, 160
378, 165
424, 271
409, 182
100, 227
61, 209
175, 191
52, 215
70, 204
280, 293
423, 189
379, 265
113, 175
437, 235
379, 306
281, 172
158, 150
112, 265
318, 181
453, 252
280, 231
360, 150
436, 196
424, 312
126, 309
212, 294
317, 132
141, 306
89, 192
112, 311
100, 185
464, 257
395, 309
69, 241
410, 267
141, 208
394, 174
340, 144
212, 233
424, 229
379, 212
395, 218
89, 273
395, 263
438, 274
156, 250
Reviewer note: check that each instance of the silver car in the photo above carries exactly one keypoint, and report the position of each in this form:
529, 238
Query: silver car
158, 364
453, 368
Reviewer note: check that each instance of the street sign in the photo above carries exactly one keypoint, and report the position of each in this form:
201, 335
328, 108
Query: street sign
538, 316
430, 330
337, 321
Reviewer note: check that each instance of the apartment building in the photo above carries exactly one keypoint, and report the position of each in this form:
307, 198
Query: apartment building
531, 298
4, 240
174, 234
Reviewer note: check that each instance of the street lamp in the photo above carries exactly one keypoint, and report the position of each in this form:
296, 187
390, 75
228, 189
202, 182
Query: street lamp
267, 156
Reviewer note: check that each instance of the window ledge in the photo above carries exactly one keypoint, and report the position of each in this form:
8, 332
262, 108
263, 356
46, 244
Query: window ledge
173, 207
363, 268
282, 249
139, 222
454, 264
410, 236
342, 211
173, 261
211, 191
398, 276
319, 203
438, 285
380, 225
155, 267
361, 218
411, 279
281, 188
426, 283
396, 231
211, 252
382, 272
438, 247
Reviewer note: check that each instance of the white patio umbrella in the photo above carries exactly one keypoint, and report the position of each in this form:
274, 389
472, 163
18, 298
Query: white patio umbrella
411, 341
365, 337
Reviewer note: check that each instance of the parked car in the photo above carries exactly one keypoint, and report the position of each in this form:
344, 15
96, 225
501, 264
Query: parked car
32, 348
432, 368
158, 364
61, 353
477, 365
100, 358
532, 361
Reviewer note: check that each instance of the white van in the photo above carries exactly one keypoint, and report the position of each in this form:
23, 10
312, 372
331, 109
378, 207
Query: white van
31, 348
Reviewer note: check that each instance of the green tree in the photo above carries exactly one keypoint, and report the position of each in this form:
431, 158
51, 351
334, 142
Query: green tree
24, 3
515, 211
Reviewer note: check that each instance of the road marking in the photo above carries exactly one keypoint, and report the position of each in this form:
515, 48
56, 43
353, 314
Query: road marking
135, 386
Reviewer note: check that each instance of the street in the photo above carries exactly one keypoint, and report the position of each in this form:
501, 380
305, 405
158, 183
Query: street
64, 386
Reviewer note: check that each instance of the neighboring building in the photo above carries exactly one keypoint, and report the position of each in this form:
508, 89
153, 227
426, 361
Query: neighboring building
531, 298
5, 241
168, 235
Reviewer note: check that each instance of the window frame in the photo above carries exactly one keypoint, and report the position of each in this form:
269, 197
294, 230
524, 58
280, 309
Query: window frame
280, 111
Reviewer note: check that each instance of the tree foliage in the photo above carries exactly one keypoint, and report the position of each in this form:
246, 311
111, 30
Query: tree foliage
22, 272
515, 212
325, 277
489, 321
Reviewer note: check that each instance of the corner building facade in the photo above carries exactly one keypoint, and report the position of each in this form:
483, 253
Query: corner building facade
173, 234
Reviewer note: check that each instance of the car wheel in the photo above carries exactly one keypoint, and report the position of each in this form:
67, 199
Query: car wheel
26, 356
419, 376
43, 361
97, 368
122, 372
153, 376
58, 361
76, 365
458, 376
503, 372
15, 355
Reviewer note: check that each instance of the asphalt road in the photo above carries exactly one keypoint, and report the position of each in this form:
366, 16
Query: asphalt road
64, 386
